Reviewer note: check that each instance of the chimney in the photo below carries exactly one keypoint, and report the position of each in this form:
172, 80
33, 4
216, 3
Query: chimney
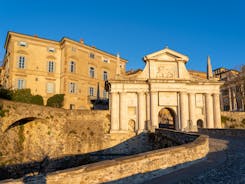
35, 35
81, 41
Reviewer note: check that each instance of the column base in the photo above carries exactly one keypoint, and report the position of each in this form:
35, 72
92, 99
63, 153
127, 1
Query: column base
118, 131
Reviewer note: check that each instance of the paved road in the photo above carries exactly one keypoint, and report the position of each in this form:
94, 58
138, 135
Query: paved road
225, 164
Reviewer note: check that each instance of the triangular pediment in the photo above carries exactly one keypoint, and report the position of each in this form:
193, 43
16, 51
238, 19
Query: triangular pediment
166, 55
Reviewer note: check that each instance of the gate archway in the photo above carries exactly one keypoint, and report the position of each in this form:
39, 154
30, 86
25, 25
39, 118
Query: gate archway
167, 118
199, 123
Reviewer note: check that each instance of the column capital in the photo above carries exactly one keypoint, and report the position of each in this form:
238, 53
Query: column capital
208, 94
141, 92
122, 92
183, 92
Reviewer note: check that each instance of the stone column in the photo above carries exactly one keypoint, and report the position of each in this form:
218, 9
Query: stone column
230, 100
148, 111
183, 110
123, 123
234, 99
114, 112
192, 108
216, 106
209, 111
141, 111
154, 113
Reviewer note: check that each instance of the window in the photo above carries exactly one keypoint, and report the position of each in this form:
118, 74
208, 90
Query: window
72, 66
21, 84
73, 49
21, 63
91, 55
22, 44
51, 66
50, 87
91, 91
105, 76
105, 60
104, 93
91, 72
51, 49
72, 87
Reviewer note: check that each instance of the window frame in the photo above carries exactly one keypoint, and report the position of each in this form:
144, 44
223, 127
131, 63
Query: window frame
72, 66
91, 72
91, 55
51, 67
72, 87
91, 91
53, 88
21, 62
105, 75
22, 84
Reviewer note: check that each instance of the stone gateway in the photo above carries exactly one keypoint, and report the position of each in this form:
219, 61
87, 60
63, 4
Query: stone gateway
164, 94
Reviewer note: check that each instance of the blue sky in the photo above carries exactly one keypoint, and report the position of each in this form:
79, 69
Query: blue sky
135, 28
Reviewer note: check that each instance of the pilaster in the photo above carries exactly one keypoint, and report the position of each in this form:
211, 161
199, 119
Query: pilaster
141, 111
154, 113
216, 106
209, 111
192, 108
183, 111
114, 112
123, 123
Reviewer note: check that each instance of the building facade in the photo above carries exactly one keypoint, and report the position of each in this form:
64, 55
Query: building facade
233, 90
164, 94
50, 67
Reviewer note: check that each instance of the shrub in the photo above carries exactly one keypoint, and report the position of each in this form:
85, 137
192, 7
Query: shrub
56, 100
37, 99
22, 95
224, 119
5, 93
243, 121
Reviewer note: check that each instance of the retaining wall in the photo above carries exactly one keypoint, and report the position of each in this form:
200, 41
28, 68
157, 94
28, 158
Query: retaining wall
136, 168
223, 132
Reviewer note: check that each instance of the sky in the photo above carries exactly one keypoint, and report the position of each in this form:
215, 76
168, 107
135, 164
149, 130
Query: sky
135, 28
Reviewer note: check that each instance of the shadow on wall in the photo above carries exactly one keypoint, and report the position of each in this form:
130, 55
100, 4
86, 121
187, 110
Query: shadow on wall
141, 143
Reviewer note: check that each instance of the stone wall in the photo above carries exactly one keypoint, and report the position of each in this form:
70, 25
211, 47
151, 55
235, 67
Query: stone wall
223, 132
136, 168
233, 119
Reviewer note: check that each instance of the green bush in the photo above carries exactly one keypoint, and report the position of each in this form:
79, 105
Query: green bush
243, 121
37, 99
224, 119
56, 101
5, 93
21, 95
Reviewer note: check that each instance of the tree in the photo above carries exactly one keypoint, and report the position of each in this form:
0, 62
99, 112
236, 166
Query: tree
56, 100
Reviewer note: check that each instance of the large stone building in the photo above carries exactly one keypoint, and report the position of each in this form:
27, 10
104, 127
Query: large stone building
50, 67
233, 90
164, 94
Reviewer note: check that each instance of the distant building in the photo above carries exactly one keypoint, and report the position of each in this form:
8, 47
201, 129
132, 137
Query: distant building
51, 67
233, 91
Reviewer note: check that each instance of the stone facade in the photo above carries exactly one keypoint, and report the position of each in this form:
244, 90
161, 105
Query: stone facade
50, 67
164, 93
233, 90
